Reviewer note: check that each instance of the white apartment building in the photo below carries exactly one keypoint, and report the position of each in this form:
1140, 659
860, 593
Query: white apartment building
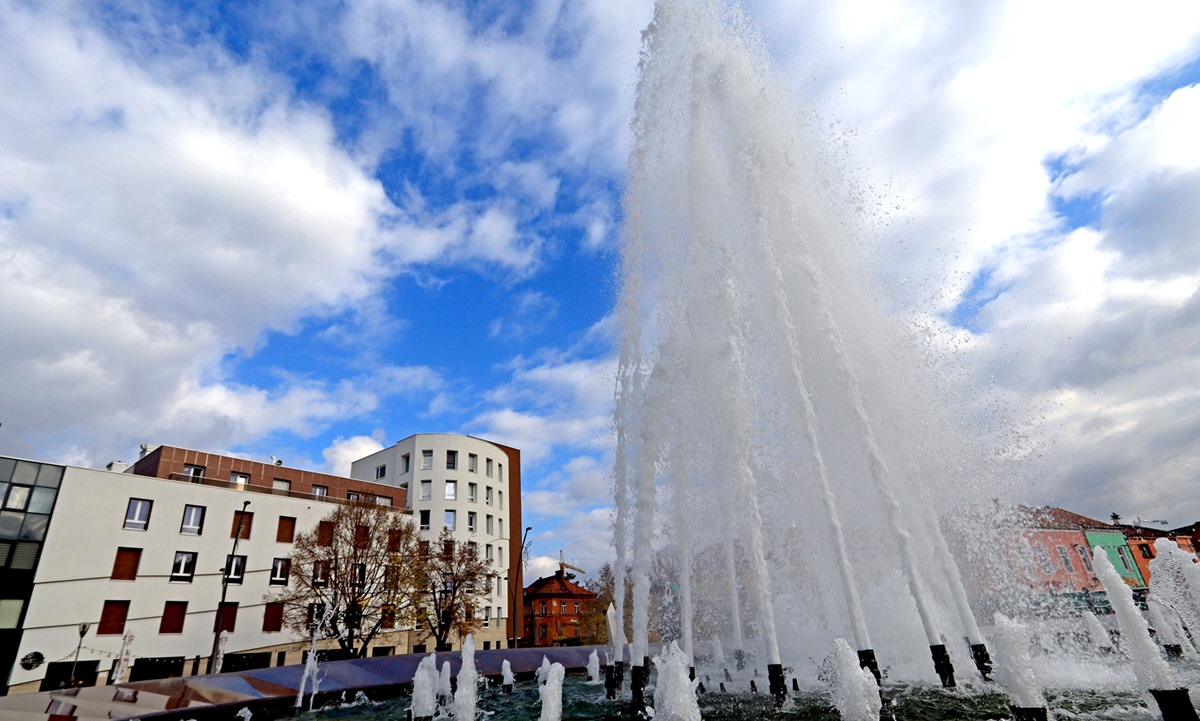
473, 487
140, 560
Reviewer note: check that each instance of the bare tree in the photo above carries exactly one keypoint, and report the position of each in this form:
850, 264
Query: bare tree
455, 583
363, 563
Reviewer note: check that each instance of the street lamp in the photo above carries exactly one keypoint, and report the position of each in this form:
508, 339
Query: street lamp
83, 629
212, 658
517, 618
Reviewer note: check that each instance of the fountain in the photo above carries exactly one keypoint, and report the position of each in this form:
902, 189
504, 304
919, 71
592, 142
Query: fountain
424, 690
552, 693
467, 696
749, 379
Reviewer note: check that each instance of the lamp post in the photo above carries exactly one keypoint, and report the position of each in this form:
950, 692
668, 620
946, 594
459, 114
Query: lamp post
83, 629
518, 581
212, 658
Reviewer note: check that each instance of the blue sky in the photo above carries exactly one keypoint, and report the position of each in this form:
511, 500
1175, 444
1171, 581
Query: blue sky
311, 231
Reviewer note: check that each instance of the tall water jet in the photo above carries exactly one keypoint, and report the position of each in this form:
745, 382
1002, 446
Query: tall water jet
551, 693
758, 373
1151, 670
675, 693
1016, 673
467, 696
424, 693
855, 691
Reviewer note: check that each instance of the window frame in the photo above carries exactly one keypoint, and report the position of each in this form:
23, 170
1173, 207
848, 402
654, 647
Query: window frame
133, 514
183, 574
184, 528
281, 571
235, 569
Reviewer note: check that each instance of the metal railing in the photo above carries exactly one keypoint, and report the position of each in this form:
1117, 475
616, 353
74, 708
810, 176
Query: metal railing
251, 488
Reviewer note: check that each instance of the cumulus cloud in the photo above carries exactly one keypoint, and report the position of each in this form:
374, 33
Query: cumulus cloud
344, 451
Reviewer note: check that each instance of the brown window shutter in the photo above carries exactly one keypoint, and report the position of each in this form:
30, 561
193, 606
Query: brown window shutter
172, 619
362, 536
273, 617
325, 533
286, 531
112, 618
246, 519
394, 537
227, 616
125, 566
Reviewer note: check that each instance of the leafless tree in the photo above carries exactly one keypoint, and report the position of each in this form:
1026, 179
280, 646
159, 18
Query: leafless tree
454, 586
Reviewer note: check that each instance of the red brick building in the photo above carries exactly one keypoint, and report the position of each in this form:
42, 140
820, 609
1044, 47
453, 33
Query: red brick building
181, 464
554, 611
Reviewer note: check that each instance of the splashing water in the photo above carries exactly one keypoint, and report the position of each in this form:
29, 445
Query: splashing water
425, 681
1151, 670
551, 693
675, 693
1015, 665
855, 693
467, 695
506, 673
593, 667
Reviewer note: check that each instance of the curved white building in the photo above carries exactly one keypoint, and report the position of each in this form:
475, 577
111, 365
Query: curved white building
473, 487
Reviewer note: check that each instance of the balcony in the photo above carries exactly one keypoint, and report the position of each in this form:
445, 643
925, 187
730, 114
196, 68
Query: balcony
250, 488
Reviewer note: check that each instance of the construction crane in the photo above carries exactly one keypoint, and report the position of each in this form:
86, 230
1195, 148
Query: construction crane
563, 565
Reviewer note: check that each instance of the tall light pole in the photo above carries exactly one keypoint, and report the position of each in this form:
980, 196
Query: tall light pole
83, 629
212, 658
517, 580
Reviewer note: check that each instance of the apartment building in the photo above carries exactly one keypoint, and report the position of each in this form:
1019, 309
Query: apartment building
473, 488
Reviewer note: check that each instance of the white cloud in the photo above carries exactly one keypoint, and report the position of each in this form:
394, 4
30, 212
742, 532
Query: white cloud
344, 451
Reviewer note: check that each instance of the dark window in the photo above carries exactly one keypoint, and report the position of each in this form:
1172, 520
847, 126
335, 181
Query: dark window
286, 532
425, 520
227, 617
360, 575
387, 616
1085, 557
447, 549
320, 491
315, 612
184, 566
394, 539
280, 568
273, 617
243, 520
193, 520
352, 496
112, 618
1147, 551
196, 472
320, 577
125, 566
174, 612
451, 460
235, 569
325, 533
137, 514
362, 537
380, 472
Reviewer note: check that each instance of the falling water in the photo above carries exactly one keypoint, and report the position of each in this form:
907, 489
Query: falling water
759, 374
424, 694
1015, 670
675, 693
593, 667
855, 693
1151, 670
551, 693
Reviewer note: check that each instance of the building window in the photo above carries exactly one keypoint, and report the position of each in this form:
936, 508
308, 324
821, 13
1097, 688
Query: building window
471, 521
381, 500
285, 532
451, 520
487, 553
281, 568
320, 491
487, 495
137, 514
473, 492
325, 533
10, 611
316, 612
425, 520
472, 463
18, 498
500, 554
193, 472
487, 616
320, 577
174, 613
451, 460
381, 472
112, 618
184, 566
281, 487
226, 619
426, 460
500, 498
1123, 553
489, 468
500, 471
405, 463
473, 549
242, 520
451, 490
490, 526
353, 496
543, 608
1147, 551
426, 491
239, 479
193, 520
1066, 559
1084, 556
272, 617
235, 569
125, 565
360, 575
362, 537
387, 616
577, 607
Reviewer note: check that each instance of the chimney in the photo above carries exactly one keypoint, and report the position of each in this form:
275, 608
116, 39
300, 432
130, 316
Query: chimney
117, 466
143, 451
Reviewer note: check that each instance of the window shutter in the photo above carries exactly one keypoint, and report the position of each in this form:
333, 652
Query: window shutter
325, 533
246, 519
227, 617
273, 617
362, 536
286, 531
174, 612
125, 566
393, 543
112, 618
